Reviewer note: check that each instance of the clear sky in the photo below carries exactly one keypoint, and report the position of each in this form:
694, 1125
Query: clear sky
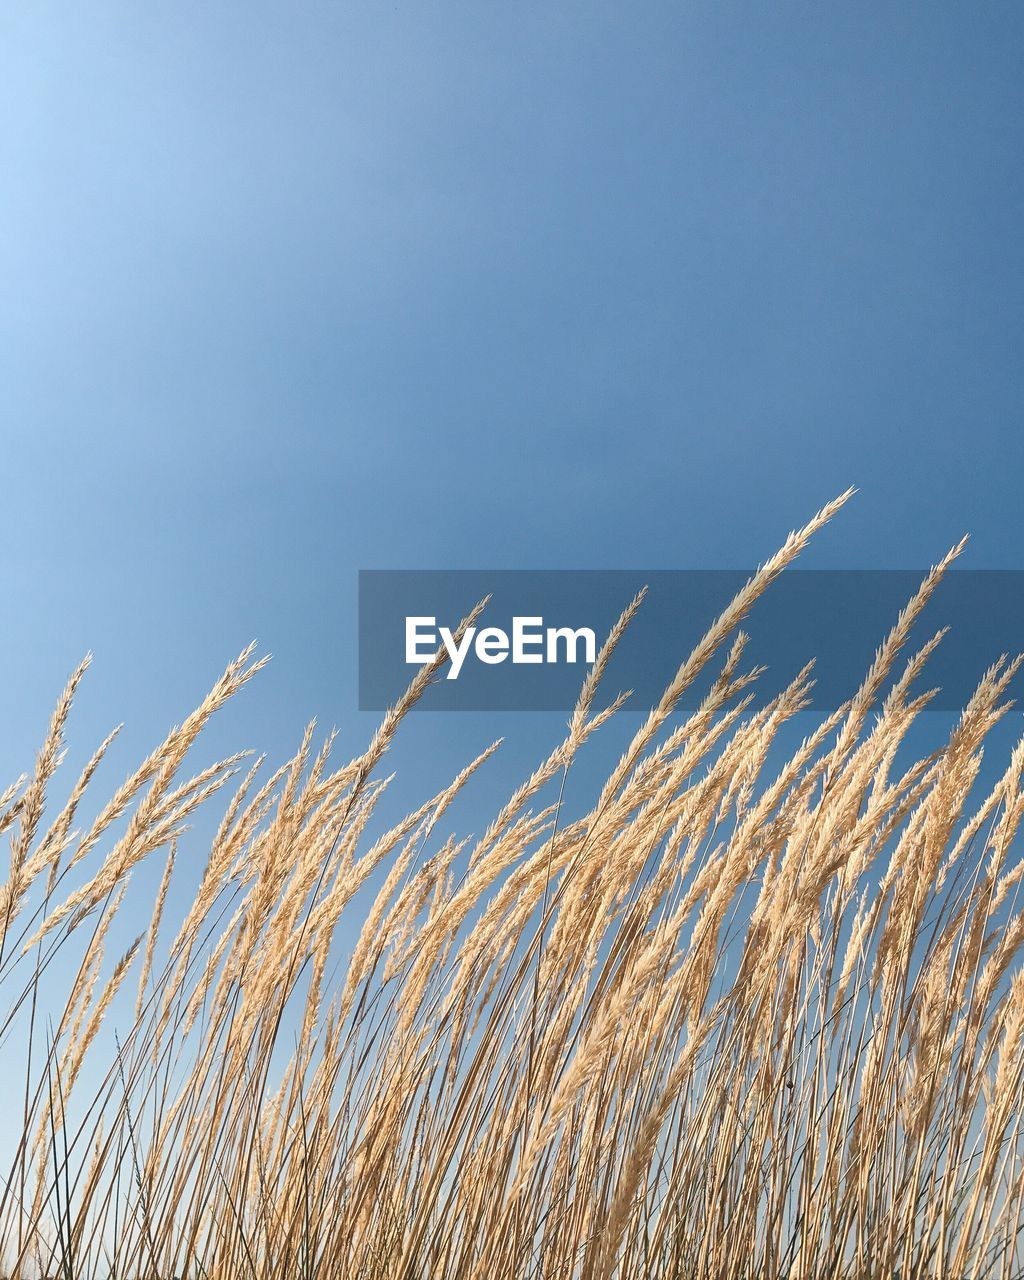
290, 290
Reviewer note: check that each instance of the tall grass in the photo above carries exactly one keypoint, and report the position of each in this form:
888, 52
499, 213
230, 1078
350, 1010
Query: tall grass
732, 1022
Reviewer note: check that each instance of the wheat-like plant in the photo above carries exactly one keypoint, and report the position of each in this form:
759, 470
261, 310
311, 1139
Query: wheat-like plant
758, 1013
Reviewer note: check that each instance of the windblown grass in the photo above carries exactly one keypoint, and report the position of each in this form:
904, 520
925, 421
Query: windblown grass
723, 1025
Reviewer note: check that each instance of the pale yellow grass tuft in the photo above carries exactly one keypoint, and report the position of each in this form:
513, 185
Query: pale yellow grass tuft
758, 1012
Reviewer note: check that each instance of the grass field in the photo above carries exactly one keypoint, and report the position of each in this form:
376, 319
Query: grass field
735, 1021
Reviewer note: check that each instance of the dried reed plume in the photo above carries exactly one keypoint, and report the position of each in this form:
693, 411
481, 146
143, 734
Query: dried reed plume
759, 1013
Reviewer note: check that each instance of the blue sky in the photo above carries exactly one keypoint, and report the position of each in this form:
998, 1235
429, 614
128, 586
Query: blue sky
291, 290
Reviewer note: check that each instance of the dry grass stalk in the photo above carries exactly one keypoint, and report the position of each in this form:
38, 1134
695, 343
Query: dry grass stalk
758, 1013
